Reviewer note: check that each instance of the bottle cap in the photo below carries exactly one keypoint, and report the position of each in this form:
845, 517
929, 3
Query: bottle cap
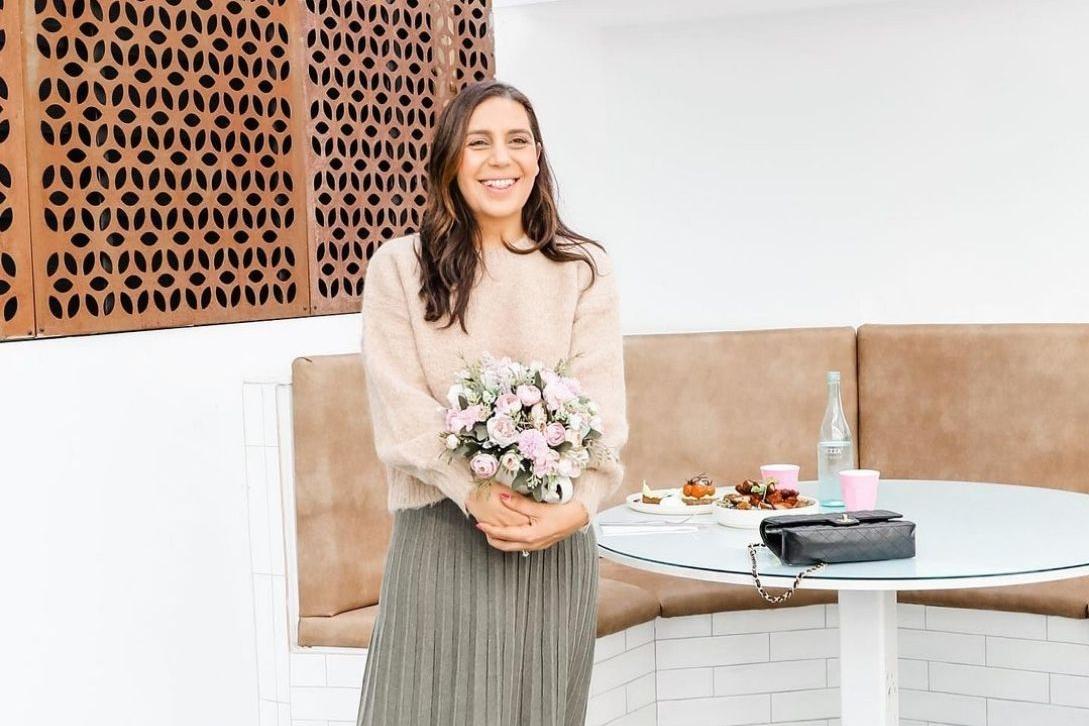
833, 376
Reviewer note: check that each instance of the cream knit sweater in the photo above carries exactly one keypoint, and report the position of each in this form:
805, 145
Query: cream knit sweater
523, 306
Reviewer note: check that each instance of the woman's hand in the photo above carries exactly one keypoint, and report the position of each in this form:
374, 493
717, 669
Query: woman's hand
548, 524
485, 504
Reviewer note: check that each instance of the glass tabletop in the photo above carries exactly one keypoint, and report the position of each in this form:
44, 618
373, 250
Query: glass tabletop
968, 534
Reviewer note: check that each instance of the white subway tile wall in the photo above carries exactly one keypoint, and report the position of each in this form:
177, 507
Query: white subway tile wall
756, 668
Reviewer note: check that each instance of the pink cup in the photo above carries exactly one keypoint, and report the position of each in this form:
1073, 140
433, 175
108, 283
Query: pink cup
785, 474
859, 487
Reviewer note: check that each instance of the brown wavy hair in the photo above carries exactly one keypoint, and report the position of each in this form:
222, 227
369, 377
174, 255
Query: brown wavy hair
450, 251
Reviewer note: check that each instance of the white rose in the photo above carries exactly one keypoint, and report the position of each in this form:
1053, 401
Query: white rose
568, 468
502, 430
511, 461
537, 415
451, 442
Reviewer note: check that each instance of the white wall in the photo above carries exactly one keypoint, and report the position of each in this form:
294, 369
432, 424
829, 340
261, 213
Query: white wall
907, 161
124, 544
878, 162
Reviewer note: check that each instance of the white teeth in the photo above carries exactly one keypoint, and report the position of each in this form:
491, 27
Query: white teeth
498, 183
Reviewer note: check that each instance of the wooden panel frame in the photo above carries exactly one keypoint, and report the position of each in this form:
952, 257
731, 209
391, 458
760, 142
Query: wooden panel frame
16, 259
163, 145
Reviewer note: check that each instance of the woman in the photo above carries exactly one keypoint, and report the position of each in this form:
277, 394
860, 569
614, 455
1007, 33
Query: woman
489, 598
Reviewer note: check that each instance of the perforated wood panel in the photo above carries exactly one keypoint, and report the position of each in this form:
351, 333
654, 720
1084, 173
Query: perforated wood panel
166, 173
16, 275
378, 75
199, 161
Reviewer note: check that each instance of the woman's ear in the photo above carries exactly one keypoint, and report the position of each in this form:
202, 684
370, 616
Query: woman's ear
540, 148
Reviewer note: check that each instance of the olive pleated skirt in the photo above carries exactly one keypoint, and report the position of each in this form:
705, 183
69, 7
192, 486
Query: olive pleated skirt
468, 635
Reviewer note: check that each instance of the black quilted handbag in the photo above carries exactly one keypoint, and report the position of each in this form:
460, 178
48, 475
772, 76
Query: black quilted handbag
805, 539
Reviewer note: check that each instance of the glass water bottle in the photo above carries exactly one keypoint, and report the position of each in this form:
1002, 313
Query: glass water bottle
835, 452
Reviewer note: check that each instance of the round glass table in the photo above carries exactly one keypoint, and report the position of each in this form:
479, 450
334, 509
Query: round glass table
968, 534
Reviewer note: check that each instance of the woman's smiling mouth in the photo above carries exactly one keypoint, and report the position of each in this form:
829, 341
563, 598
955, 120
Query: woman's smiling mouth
499, 185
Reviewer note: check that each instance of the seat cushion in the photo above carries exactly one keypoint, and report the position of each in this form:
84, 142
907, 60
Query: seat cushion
350, 629
684, 596
1066, 598
620, 605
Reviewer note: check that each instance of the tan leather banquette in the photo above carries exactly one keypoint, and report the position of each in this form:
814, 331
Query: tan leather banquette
1006, 403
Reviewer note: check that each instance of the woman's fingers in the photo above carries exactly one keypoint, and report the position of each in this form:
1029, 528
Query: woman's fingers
524, 535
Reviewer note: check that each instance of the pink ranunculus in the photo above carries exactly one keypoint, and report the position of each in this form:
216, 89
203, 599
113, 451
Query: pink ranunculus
555, 434
529, 395
484, 466
546, 463
455, 421
502, 430
508, 404
475, 414
556, 394
531, 443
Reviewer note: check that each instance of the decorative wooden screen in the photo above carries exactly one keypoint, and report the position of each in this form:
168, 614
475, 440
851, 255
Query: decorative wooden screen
16, 271
379, 74
200, 161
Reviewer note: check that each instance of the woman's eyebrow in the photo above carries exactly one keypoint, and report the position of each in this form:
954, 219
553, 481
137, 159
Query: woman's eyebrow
489, 133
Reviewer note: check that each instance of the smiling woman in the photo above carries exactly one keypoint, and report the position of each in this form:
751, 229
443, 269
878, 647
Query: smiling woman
490, 185
494, 624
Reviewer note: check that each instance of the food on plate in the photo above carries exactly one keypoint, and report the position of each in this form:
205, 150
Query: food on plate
698, 490
764, 494
651, 496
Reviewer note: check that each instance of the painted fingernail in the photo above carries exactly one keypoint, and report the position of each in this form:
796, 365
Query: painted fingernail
504, 495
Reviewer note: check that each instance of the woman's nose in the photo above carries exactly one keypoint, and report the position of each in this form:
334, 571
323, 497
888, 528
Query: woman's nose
499, 154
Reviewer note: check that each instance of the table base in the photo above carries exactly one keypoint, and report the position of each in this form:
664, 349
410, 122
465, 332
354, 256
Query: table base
869, 689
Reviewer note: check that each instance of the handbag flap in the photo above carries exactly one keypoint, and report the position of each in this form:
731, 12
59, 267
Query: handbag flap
772, 525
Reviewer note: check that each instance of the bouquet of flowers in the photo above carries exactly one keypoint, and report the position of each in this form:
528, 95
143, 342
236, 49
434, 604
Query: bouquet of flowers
526, 426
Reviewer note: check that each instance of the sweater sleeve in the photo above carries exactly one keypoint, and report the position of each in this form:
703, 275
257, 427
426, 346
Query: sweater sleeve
407, 419
597, 352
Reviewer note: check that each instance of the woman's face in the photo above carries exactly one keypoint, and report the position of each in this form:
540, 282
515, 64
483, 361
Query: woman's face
498, 161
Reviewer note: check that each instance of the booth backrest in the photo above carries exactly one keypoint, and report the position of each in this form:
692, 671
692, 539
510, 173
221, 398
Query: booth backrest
343, 526
724, 403
1002, 403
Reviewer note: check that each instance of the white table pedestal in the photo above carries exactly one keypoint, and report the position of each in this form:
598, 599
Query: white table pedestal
869, 691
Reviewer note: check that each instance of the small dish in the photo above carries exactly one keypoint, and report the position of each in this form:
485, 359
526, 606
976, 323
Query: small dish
751, 518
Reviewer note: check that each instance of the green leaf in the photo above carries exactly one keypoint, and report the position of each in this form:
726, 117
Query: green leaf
463, 401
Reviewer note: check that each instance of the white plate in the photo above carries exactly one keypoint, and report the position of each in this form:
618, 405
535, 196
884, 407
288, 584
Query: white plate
750, 518
635, 501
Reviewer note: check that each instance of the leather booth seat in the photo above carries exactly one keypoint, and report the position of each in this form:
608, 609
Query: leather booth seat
1003, 403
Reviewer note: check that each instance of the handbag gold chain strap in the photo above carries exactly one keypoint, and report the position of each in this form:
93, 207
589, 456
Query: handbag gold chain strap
776, 599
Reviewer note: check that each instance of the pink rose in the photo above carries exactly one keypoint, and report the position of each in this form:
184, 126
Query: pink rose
529, 395
546, 463
484, 466
502, 430
531, 443
475, 414
507, 404
555, 434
